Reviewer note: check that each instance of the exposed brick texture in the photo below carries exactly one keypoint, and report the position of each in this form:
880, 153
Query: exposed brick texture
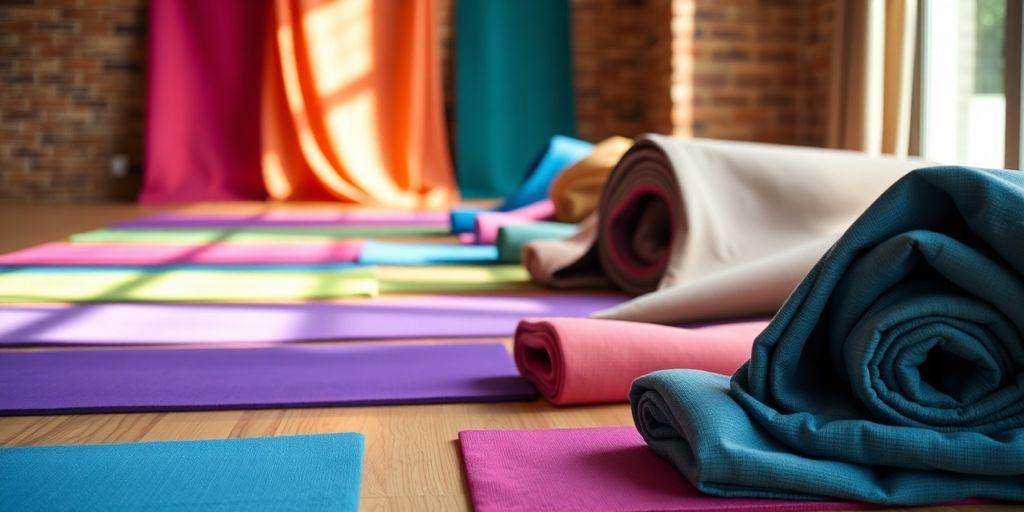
72, 74
73, 83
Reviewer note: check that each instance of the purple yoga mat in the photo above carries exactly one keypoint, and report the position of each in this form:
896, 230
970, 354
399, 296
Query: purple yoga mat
439, 316
116, 380
286, 219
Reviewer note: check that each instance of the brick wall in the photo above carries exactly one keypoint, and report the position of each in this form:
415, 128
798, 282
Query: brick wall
73, 79
816, 62
73, 85
622, 52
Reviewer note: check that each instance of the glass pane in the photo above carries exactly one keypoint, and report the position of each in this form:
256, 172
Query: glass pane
963, 102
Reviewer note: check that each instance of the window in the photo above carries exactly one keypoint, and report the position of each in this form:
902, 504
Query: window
967, 56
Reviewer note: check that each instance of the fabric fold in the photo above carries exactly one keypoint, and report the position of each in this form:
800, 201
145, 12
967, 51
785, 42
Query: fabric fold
579, 360
896, 367
577, 190
351, 106
559, 153
513, 78
202, 101
679, 213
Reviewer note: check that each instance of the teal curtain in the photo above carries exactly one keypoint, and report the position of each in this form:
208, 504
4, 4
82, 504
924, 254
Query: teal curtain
513, 89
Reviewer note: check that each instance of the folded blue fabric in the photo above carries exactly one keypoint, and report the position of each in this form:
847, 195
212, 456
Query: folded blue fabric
894, 373
397, 253
559, 153
316, 472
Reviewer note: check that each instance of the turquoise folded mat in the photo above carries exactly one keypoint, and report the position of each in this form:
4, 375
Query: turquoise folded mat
398, 253
513, 89
559, 153
894, 374
250, 234
512, 237
314, 472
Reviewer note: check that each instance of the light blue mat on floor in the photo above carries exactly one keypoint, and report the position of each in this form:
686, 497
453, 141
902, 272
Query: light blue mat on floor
315, 472
400, 253
894, 373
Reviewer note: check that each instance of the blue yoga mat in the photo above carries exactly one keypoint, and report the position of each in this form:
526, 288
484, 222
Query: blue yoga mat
894, 373
399, 253
513, 89
558, 154
316, 472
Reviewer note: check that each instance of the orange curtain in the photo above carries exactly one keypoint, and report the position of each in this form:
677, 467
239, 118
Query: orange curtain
352, 106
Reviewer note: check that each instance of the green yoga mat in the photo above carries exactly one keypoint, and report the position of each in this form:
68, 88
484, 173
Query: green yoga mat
315, 472
65, 284
141, 284
252, 234
455, 279
513, 84
513, 237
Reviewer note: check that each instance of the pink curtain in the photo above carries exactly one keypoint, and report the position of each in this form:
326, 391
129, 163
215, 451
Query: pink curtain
203, 104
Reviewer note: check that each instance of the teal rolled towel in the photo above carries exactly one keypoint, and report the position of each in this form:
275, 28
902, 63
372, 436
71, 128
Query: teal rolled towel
894, 374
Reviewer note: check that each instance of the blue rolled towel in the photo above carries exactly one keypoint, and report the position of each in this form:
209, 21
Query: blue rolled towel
558, 154
894, 373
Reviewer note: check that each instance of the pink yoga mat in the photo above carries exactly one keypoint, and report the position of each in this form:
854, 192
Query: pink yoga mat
203, 101
61, 253
287, 218
488, 223
581, 360
586, 469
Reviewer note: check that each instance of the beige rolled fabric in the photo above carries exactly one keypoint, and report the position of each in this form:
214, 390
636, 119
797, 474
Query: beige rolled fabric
720, 229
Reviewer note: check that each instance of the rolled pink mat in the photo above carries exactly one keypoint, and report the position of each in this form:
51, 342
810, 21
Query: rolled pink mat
62, 253
714, 229
579, 360
488, 223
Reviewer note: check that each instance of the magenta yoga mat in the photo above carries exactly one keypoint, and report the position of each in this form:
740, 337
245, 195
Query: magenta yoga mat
287, 219
120, 380
63, 253
441, 316
584, 469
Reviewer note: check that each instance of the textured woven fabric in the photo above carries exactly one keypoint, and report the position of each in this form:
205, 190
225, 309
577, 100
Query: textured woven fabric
315, 472
892, 375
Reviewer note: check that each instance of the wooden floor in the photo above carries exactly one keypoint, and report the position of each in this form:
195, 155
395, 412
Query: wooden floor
412, 457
